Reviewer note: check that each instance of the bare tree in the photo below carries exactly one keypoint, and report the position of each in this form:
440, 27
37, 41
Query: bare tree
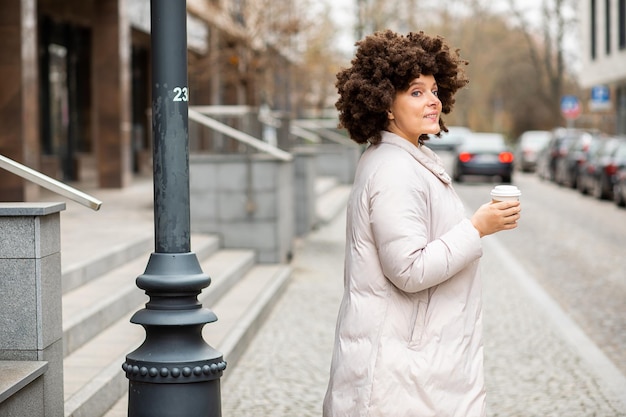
517, 71
548, 53
518, 68
321, 59
398, 15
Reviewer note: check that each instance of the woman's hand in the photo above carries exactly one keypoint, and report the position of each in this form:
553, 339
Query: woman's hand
494, 217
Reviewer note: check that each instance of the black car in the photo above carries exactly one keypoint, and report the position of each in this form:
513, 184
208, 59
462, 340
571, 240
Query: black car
619, 184
567, 149
600, 172
555, 150
570, 164
582, 180
484, 154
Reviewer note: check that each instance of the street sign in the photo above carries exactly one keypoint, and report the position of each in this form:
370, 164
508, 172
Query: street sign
570, 107
600, 98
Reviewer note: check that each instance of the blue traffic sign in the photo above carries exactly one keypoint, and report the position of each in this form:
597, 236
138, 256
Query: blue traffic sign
600, 98
570, 107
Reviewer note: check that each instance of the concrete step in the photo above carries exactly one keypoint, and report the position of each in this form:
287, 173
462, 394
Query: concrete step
242, 301
324, 184
93, 377
331, 202
241, 294
20, 382
242, 311
98, 303
94, 265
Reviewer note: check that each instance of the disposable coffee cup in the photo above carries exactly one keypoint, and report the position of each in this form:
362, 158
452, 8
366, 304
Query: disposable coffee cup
505, 193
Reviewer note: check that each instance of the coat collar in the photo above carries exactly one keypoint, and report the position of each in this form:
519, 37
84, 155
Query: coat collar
422, 154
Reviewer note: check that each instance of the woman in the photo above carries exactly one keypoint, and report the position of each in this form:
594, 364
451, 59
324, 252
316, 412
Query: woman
408, 338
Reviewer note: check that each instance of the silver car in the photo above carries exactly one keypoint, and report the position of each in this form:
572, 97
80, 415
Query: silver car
529, 146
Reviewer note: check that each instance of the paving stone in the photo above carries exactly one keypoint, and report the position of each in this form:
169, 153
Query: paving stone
530, 369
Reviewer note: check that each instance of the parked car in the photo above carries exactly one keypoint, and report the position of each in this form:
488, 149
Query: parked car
569, 164
600, 172
564, 161
543, 163
483, 154
556, 149
449, 140
529, 147
619, 184
581, 181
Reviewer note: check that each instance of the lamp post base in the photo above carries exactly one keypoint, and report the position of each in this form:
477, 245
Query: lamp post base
201, 399
174, 373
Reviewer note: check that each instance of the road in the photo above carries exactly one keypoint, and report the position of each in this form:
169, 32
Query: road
575, 247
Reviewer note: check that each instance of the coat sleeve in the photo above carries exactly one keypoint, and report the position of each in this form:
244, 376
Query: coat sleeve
401, 220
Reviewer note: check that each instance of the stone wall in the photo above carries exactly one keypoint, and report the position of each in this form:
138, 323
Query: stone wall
30, 302
338, 160
246, 199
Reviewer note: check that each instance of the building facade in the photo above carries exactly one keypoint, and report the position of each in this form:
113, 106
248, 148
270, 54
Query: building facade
75, 91
603, 72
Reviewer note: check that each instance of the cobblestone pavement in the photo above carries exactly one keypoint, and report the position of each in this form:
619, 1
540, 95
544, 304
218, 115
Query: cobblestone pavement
284, 372
531, 368
573, 246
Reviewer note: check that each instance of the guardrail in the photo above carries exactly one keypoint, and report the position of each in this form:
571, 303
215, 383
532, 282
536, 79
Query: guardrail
238, 135
49, 183
313, 130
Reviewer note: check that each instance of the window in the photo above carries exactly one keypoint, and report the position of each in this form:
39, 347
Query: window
592, 25
607, 24
621, 21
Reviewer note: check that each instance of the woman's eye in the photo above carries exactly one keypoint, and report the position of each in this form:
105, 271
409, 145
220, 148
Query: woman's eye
416, 93
436, 93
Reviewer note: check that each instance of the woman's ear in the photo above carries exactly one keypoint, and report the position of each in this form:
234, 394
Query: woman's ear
390, 115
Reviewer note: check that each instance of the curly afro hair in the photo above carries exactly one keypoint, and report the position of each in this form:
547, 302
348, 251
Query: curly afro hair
385, 63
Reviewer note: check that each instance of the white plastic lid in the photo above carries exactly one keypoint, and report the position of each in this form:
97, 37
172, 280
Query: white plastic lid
505, 191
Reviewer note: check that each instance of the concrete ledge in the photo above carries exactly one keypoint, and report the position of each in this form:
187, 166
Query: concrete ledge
339, 161
304, 189
247, 200
30, 311
30, 209
15, 375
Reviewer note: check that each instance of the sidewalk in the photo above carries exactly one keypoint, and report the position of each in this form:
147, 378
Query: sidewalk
536, 363
532, 369
126, 215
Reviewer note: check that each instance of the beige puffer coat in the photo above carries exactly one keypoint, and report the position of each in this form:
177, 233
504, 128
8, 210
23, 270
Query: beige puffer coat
408, 339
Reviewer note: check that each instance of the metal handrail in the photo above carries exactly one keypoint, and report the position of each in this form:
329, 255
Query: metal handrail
321, 128
235, 110
239, 135
49, 183
304, 134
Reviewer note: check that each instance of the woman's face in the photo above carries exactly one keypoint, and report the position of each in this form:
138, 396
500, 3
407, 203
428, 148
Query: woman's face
416, 111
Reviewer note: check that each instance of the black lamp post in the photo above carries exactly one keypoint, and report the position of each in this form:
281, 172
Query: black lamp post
174, 373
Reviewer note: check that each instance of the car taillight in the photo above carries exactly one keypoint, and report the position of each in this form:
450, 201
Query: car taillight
611, 169
465, 156
505, 157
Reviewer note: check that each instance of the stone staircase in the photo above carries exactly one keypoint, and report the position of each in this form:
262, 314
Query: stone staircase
100, 296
